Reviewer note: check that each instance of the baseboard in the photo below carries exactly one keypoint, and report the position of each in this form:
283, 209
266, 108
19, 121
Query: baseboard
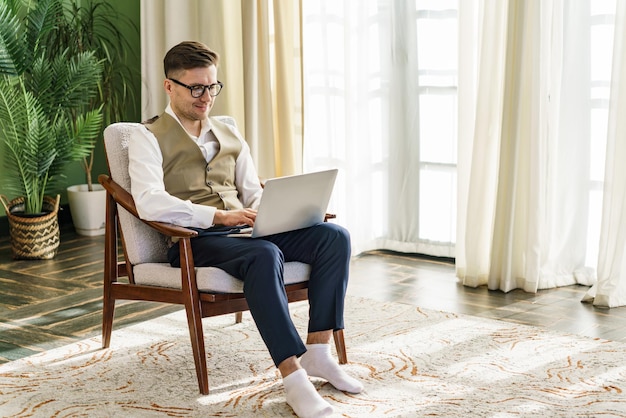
65, 218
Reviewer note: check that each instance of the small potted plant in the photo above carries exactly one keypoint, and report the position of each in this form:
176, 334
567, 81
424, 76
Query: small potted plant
48, 118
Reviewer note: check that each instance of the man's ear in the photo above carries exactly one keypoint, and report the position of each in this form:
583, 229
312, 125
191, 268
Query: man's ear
167, 85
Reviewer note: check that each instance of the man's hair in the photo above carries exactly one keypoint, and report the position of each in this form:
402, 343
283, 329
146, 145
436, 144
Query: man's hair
187, 55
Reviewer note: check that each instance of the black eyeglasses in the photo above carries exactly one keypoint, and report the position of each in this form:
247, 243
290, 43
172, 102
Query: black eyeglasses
198, 90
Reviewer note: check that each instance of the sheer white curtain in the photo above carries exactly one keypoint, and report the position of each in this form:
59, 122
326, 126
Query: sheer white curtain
537, 226
526, 214
610, 290
369, 73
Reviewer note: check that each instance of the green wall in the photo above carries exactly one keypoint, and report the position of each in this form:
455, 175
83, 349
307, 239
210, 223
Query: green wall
74, 172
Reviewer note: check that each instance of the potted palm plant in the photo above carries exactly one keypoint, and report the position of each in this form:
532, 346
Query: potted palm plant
48, 119
97, 26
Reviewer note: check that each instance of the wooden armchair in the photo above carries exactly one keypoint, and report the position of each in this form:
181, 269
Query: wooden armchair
203, 291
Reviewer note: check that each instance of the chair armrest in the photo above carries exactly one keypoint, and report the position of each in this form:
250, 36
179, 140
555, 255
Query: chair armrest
125, 200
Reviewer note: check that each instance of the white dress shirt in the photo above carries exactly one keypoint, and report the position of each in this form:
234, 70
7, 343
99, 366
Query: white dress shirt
145, 167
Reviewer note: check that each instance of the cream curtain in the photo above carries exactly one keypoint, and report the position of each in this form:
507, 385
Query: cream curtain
526, 204
259, 46
610, 291
479, 136
525, 198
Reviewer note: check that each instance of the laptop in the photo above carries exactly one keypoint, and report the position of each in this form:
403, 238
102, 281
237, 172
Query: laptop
292, 202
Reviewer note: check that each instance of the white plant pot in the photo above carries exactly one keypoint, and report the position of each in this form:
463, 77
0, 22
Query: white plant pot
88, 209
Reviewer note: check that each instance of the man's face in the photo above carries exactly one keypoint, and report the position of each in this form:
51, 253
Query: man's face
186, 107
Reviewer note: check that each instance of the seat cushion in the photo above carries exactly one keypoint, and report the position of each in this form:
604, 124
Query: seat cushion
210, 279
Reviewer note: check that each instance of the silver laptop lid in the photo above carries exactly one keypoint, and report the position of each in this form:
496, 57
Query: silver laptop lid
294, 202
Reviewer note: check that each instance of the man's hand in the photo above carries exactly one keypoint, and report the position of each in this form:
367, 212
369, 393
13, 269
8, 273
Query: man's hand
235, 217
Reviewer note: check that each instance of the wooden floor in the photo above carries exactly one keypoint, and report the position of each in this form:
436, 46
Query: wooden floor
46, 304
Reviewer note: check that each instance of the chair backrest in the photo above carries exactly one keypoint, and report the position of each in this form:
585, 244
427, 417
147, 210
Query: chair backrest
142, 243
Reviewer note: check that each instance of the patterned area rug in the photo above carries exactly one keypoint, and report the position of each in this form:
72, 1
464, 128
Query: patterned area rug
413, 362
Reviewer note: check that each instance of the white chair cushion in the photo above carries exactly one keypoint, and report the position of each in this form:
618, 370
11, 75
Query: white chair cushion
210, 279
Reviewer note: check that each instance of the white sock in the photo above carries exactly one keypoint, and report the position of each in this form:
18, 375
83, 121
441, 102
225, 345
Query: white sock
303, 398
318, 362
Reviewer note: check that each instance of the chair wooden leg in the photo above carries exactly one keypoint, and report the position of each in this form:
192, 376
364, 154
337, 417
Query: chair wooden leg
238, 317
193, 309
110, 271
340, 345
108, 311
199, 354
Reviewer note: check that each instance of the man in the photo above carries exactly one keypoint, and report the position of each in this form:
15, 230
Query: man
190, 170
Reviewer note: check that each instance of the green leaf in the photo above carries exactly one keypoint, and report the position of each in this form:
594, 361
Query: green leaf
12, 42
62, 76
27, 150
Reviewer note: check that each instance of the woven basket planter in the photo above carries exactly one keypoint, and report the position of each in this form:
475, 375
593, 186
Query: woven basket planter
33, 237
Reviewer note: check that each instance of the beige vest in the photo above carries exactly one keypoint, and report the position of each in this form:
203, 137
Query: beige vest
186, 173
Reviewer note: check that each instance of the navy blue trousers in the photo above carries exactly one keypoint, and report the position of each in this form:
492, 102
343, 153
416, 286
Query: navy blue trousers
259, 263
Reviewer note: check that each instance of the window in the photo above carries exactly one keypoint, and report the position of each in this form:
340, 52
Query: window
381, 103
602, 16
437, 67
